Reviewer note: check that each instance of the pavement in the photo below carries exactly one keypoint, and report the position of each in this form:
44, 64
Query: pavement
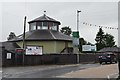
103, 71
9, 71
43, 71
63, 71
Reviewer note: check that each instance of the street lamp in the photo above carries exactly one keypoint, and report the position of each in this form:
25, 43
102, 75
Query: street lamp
78, 33
78, 20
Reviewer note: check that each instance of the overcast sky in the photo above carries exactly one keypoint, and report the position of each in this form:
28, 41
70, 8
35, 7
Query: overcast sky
98, 13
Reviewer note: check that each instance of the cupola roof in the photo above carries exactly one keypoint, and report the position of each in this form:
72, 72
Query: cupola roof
44, 18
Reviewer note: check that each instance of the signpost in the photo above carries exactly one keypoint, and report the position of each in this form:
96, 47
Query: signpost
76, 43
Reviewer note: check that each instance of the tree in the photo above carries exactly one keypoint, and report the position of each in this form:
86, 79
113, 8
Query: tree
11, 36
100, 39
109, 40
66, 30
81, 42
104, 40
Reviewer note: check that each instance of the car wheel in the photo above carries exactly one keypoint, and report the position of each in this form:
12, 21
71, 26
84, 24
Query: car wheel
110, 62
100, 62
105, 62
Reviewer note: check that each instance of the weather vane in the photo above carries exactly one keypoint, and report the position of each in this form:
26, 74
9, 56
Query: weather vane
44, 12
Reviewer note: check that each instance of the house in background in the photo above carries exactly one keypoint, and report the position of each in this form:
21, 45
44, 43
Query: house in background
110, 50
44, 32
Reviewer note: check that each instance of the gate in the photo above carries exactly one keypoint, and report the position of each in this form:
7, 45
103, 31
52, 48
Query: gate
19, 54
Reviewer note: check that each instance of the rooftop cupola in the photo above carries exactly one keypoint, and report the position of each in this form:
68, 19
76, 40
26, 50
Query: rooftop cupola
44, 23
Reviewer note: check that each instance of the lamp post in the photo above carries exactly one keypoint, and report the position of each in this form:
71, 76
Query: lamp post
78, 34
78, 20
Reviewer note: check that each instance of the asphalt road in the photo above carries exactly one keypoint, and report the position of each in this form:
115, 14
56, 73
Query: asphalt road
49, 72
108, 71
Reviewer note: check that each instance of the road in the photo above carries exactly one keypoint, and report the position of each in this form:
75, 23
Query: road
43, 71
103, 71
0, 73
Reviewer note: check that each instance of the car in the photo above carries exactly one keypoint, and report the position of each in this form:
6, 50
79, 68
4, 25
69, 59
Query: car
107, 57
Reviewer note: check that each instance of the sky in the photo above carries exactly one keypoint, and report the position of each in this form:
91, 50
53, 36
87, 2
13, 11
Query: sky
97, 13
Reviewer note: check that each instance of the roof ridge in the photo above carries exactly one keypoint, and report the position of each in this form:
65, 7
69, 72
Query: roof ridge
46, 17
52, 35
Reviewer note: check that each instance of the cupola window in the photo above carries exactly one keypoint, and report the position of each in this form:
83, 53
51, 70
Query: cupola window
44, 25
33, 26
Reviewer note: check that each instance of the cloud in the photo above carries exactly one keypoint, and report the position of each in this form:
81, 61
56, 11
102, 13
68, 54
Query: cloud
99, 13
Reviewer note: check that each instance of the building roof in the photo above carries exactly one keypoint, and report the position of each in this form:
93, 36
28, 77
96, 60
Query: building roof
40, 35
10, 46
110, 49
44, 18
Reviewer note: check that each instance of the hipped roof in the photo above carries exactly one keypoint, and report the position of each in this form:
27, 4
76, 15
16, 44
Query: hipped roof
43, 19
43, 35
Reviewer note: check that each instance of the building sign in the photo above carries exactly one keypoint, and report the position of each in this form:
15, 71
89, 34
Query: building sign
75, 39
88, 48
8, 55
75, 34
93, 48
33, 50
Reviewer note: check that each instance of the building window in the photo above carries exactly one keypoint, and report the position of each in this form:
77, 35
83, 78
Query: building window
33, 26
44, 25
54, 26
39, 25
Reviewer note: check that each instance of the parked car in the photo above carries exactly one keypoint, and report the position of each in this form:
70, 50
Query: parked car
107, 57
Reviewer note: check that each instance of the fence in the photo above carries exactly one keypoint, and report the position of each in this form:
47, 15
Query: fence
45, 59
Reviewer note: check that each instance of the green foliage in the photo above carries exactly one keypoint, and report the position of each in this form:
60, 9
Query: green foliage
82, 42
104, 40
11, 36
109, 40
66, 30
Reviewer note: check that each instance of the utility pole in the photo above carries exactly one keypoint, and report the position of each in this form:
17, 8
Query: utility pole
24, 39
